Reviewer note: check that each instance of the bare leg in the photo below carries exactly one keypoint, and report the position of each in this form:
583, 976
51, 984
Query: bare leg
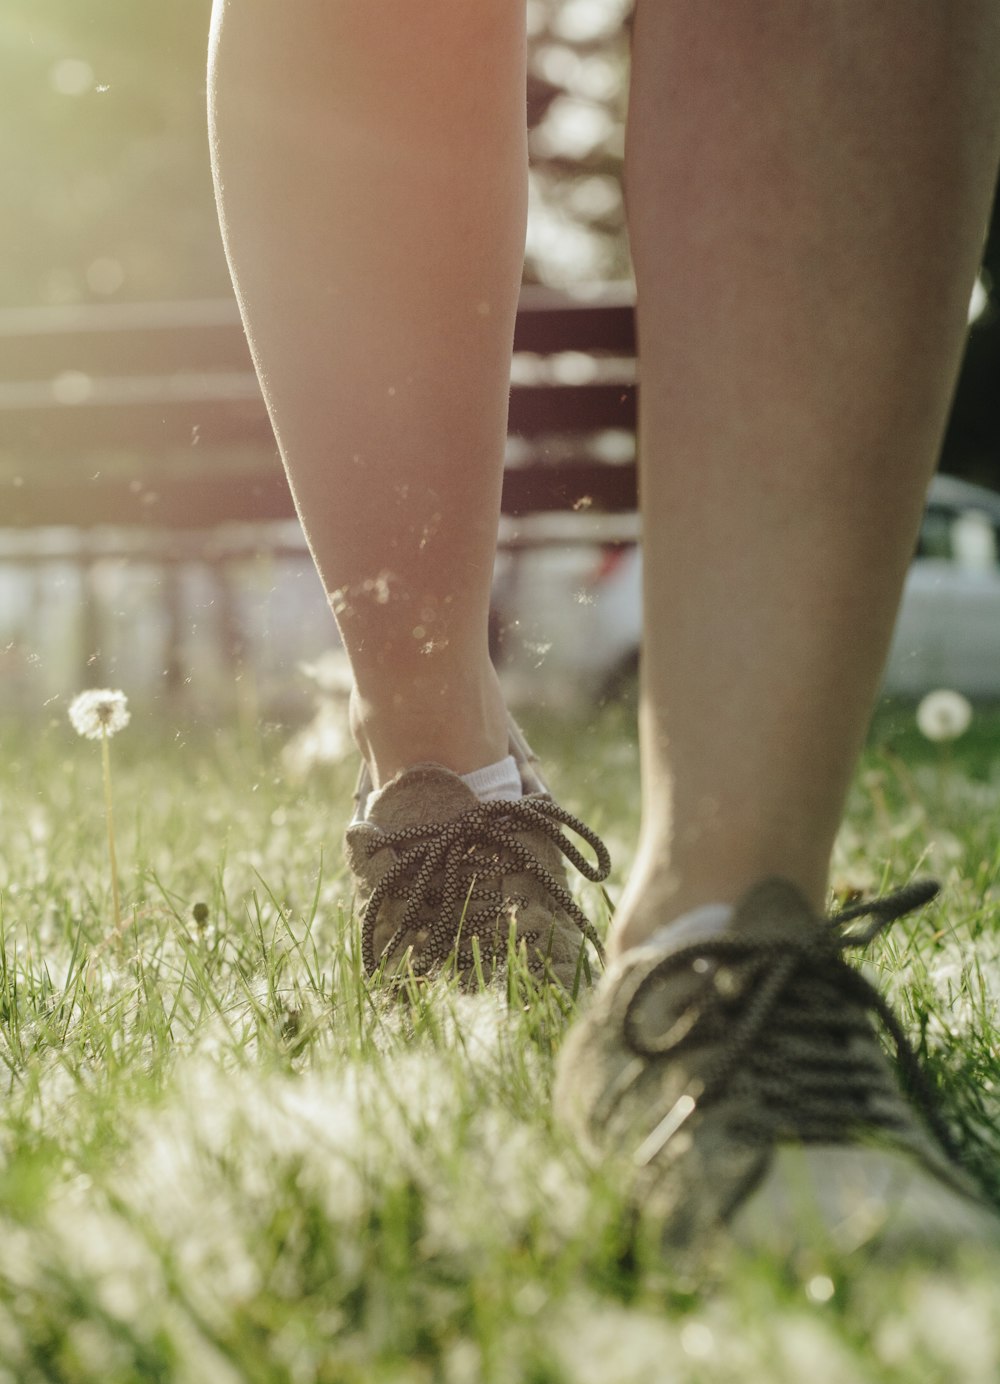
370, 162
807, 186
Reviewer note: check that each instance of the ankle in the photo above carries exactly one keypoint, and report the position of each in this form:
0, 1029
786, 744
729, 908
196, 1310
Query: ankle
706, 920
653, 903
463, 733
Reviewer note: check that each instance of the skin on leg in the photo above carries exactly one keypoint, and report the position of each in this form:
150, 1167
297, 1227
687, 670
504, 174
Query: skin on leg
807, 188
370, 164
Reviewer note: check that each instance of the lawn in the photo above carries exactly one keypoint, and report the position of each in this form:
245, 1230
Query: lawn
224, 1157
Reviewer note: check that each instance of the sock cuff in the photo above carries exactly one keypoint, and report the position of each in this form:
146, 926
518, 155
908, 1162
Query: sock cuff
500, 782
696, 925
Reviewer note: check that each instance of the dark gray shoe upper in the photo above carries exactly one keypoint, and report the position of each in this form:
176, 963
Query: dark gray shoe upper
695, 1065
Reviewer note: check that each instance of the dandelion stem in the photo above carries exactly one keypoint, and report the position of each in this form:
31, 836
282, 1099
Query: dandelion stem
109, 813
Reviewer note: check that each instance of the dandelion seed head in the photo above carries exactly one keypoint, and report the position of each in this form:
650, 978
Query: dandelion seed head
820, 1288
99, 712
697, 1340
944, 715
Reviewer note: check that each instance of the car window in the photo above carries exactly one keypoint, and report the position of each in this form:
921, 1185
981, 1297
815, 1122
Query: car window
935, 533
967, 537
974, 541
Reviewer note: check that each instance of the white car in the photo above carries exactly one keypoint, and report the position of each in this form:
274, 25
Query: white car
568, 618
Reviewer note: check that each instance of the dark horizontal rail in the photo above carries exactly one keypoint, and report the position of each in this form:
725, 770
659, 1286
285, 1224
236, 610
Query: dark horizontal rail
548, 321
162, 501
173, 381
143, 420
157, 415
96, 338
583, 485
203, 501
112, 338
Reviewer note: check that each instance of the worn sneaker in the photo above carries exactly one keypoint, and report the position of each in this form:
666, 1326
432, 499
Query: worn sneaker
740, 1080
441, 875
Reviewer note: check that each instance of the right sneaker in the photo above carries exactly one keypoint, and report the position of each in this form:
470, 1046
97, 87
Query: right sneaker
445, 880
737, 1082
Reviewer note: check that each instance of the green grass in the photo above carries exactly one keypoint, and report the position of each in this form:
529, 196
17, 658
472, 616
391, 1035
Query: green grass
224, 1157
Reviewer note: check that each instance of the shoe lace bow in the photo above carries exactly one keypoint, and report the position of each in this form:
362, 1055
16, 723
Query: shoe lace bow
441, 866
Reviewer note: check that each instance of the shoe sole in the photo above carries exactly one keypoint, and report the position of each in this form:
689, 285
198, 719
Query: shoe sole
854, 1199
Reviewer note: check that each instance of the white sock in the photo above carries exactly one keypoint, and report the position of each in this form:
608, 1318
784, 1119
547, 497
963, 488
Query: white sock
500, 782
694, 926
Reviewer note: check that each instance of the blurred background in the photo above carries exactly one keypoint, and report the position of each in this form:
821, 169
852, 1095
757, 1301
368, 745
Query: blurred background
107, 199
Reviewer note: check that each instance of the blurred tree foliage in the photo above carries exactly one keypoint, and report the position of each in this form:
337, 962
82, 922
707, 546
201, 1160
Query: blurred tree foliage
107, 191
107, 194
577, 90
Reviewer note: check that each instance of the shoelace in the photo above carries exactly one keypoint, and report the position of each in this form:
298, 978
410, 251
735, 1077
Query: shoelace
439, 864
796, 1002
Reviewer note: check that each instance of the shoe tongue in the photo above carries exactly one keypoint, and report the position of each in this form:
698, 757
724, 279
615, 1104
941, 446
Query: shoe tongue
773, 909
425, 793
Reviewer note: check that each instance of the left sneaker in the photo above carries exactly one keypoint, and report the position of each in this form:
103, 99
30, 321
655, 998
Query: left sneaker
740, 1081
437, 871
